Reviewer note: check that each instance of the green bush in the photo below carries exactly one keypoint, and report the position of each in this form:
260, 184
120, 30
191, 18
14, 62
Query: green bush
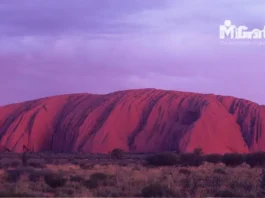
198, 151
76, 178
213, 158
184, 171
86, 166
24, 159
157, 190
36, 175
55, 180
16, 194
90, 184
233, 159
36, 164
98, 176
191, 159
12, 175
15, 164
97, 179
117, 153
65, 192
256, 159
219, 171
262, 180
226, 193
163, 159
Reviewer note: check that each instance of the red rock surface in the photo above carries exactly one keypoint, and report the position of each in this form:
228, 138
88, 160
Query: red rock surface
145, 120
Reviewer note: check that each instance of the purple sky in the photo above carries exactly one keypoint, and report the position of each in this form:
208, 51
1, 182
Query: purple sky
50, 47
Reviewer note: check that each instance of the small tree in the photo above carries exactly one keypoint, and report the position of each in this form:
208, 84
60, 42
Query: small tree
233, 159
117, 153
198, 151
24, 159
163, 159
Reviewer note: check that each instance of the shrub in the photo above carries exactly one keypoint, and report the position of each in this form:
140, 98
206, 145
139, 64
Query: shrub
12, 175
184, 171
226, 193
262, 180
36, 164
35, 175
55, 180
191, 159
163, 159
65, 192
255, 159
91, 184
117, 153
98, 176
233, 159
213, 158
16, 194
24, 159
198, 151
157, 190
86, 166
219, 171
75, 162
123, 164
76, 178
48, 161
15, 163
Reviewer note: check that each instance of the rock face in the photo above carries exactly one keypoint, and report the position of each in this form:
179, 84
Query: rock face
145, 120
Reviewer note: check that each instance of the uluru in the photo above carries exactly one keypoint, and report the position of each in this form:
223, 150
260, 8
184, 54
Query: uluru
141, 120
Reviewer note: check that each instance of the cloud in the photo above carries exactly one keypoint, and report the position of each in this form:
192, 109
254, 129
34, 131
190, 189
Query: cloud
169, 82
50, 18
54, 47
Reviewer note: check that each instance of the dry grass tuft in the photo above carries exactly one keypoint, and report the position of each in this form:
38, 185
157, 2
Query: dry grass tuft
129, 178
